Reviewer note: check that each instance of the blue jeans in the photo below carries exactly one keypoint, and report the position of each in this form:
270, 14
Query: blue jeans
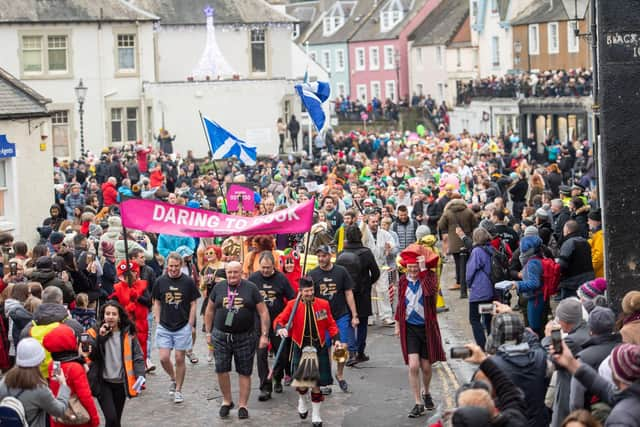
479, 322
149, 339
360, 341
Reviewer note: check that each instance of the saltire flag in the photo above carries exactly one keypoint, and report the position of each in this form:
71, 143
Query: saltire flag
224, 144
313, 94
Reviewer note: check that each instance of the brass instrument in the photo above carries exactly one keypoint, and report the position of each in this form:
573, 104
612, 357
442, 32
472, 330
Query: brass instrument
341, 354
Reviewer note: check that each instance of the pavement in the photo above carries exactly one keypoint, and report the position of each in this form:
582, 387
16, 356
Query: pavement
379, 392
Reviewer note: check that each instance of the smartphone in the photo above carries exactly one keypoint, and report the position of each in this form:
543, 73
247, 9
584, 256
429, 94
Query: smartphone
13, 268
556, 339
84, 343
486, 308
460, 352
57, 370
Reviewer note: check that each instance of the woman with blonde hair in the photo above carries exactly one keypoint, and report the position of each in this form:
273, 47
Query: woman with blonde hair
536, 187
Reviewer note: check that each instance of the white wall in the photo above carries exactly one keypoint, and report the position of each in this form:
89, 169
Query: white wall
470, 117
91, 58
427, 71
467, 70
29, 177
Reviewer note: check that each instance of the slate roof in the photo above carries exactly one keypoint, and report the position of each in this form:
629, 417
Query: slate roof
19, 100
354, 19
306, 13
190, 12
25, 11
550, 11
370, 30
442, 24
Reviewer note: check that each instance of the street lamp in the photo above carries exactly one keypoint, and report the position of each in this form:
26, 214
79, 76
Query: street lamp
517, 47
397, 58
81, 95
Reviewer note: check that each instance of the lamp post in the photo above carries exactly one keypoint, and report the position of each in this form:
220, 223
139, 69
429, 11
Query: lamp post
81, 95
397, 58
517, 47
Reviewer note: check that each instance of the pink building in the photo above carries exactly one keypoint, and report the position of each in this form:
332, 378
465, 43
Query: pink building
378, 52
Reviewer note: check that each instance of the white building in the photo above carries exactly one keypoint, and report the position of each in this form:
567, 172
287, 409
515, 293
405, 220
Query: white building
26, 165
106, 43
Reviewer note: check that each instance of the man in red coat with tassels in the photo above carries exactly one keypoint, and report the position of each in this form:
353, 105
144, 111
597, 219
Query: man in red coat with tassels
417, 325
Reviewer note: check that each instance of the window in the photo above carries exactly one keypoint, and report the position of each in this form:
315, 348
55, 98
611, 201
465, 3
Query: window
390, 89
374, 58
534, 40
60, 131
441, 91
360, 59
573, 44
116, 125
439, 55
391, 15
132, 124
495, 51
3, 184
362, 92
126, 52
552, 34
258, 52
494, 7
376, 90
124, 124
341, 90
420, 89
326, 60
296, 31
340, 60
331, 24
313, 56
45, 54
474, 11
419, 56
389, 58
458, 57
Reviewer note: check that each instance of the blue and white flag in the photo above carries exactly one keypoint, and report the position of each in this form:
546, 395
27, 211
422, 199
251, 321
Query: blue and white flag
313, 95
224, 145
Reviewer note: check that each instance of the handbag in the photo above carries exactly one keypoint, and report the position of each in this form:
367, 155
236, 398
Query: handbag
75, 414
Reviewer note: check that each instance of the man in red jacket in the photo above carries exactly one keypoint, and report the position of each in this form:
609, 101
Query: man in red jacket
109, 192
311, 322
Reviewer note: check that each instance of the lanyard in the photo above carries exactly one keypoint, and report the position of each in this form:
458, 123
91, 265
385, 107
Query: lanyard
231, 297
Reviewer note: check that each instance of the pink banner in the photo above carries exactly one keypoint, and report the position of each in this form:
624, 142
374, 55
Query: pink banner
160, 217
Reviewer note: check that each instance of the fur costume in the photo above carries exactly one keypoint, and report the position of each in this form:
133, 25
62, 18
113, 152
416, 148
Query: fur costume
290, 266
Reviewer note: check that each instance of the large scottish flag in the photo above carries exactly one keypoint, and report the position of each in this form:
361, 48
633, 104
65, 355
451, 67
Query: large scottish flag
313, 94
224, 145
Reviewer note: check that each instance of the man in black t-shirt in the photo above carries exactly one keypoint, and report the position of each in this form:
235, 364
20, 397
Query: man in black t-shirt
333, 283
174, 311
275, 290
232, 308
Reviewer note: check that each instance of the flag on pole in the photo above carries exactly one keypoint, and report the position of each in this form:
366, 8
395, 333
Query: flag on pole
224, 144
313, 94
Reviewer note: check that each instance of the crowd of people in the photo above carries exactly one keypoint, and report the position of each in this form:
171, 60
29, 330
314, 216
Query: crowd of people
550, 83
83, 308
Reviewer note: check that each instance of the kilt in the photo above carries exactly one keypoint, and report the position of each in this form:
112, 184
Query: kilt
324, 363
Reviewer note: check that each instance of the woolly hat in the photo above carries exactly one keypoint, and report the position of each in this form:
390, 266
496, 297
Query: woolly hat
61, 338
625, 362
542, 213
115, 223
44, 231
422, 231
108, 250
593, 288
44, 262
56, 238
570, 311
29, 353
194, 204
95, 231
530, 243
531, 231
489, 226
631, 303
471, 416
602, 321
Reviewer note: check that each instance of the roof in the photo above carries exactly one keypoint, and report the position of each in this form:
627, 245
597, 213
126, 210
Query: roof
19, 100
370, 29
356, 13
503, 8
442, 24
306, 13
463, 36
190, 12
550, 11
27, 11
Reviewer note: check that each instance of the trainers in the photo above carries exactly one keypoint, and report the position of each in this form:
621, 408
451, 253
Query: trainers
243, 413
428, 402
178, 397
389, 322
343, 384
150, 367
225, 409
264, 396
417, 411
353, 360
172, 387
326, 391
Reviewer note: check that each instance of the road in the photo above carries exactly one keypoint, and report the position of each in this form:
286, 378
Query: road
379, 393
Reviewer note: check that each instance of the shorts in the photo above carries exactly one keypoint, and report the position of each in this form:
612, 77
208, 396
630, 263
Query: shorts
174, 340
240, 347
416, 339
344, 328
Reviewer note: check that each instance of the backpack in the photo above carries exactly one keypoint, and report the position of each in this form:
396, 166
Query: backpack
550, 277
12, 412
499, 263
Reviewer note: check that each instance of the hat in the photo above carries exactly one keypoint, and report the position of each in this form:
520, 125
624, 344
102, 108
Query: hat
108, 250
593, 288
29, 353
570, 311
114, 223
184, 251
61, 338
542, 213
95, 230
194, 204
578, 186
625, 362
422, 231
44, 231
505, 327
426, 191
601, 321
595, 215
564, 189
471, 416
402, 187
122, 267
44, 262
489, 226
631, 302
324, 248
56, 238
531, 230
408, 257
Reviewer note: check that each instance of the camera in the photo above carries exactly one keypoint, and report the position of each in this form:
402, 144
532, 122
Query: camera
460, 352
556, 339
486, 308
84, 342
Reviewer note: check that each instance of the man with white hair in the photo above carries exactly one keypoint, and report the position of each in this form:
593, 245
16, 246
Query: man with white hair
381, 244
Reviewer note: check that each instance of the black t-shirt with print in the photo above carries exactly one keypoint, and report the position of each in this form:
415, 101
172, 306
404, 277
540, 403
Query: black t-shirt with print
245, 299
175, 296
274, 290
331, 285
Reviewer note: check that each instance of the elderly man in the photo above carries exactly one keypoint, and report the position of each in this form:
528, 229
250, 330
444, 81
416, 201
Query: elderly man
230, 324
381, 244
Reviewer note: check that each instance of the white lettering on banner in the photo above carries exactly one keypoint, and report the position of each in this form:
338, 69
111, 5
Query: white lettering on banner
171, 215
293, 216
213, 222
158, 213
183, 217
240, 224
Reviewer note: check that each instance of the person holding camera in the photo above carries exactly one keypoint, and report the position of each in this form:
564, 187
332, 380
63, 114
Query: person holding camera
478, 277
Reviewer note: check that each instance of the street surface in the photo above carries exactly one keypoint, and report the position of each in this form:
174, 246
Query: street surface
379, 392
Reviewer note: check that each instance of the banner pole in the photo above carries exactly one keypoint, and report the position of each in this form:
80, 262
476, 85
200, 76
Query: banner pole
215, 167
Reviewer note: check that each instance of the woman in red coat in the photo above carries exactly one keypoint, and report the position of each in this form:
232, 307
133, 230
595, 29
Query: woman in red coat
134, 298
62, 343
